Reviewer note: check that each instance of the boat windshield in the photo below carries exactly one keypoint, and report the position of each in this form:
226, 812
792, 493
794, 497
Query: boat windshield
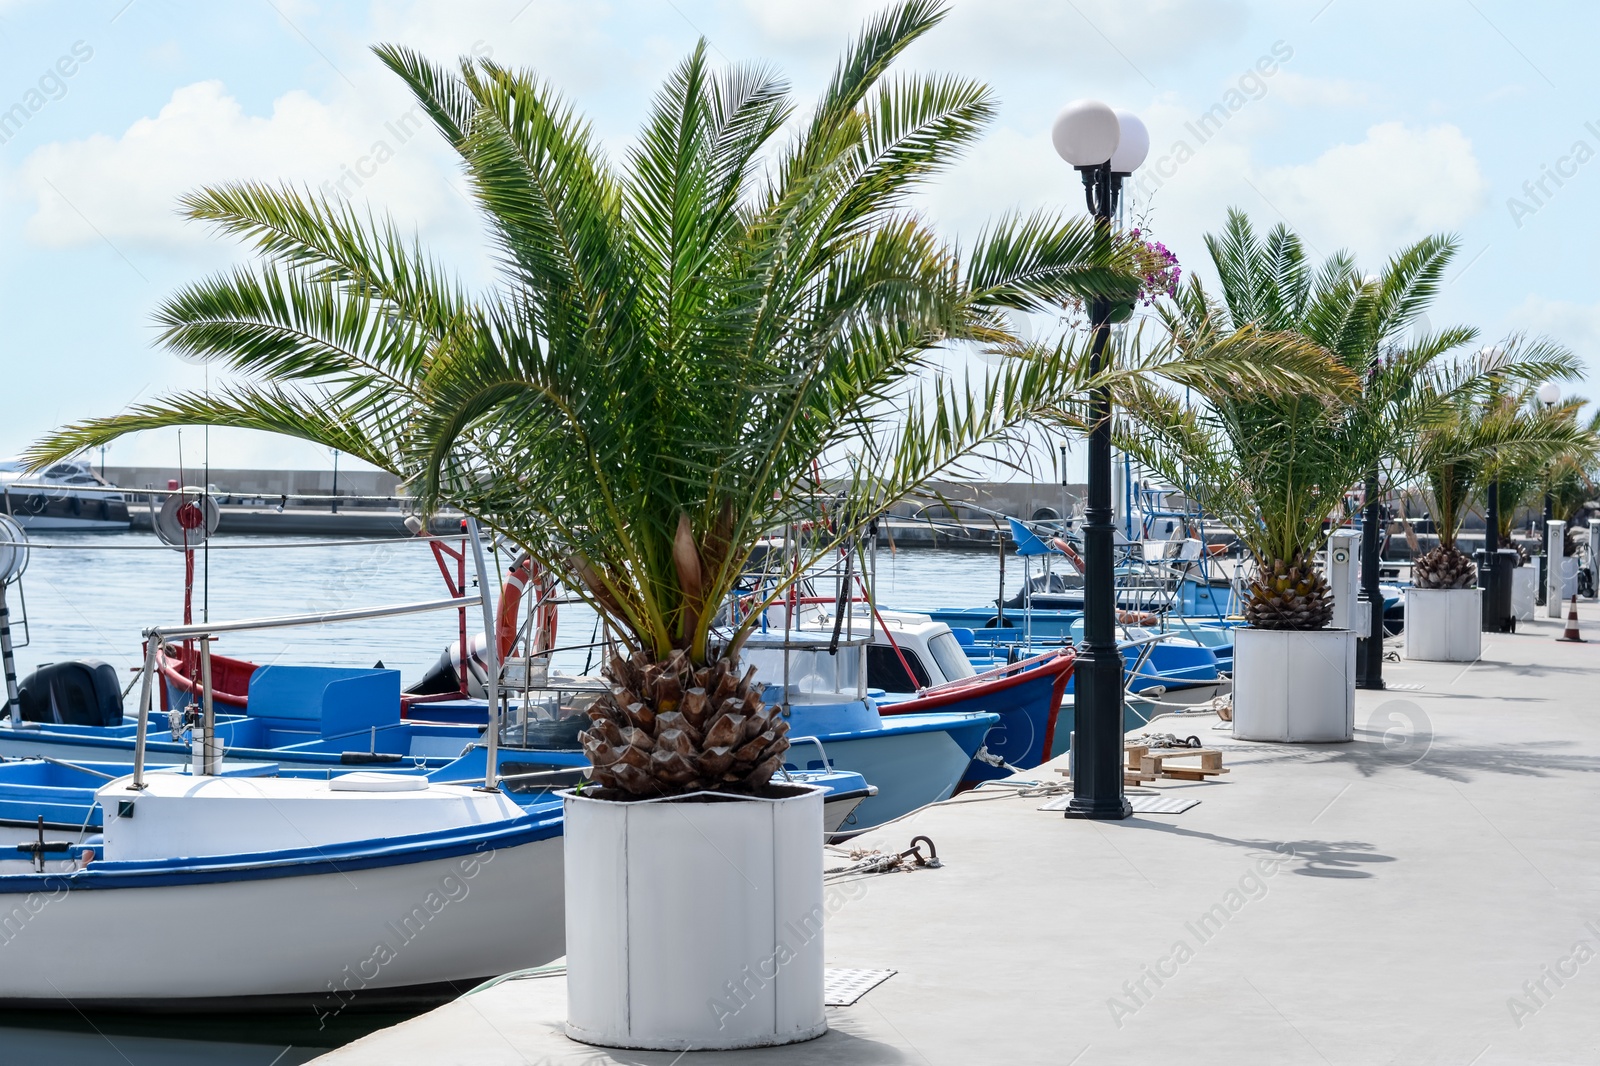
814, 673
953, 662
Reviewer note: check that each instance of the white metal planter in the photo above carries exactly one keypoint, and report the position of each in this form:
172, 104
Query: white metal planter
1294, 685
695, 922
1444, 625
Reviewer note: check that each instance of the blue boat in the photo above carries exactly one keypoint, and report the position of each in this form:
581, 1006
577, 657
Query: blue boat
911, 756
1027, 696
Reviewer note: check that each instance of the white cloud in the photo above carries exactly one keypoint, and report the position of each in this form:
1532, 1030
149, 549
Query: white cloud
576, 44
126, 187
1394, 187
1573, 324
1130, 38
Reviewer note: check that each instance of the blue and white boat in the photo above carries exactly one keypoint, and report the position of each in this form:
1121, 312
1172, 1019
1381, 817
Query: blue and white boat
366, 889
819, 683
836, 726
916, 665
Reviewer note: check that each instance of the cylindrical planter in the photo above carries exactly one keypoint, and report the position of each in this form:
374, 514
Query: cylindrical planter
695, 922
1524, 592
1294, 685
1444, 625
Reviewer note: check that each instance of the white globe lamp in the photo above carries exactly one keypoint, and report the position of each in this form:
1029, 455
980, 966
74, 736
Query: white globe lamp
1086, 133
1133, 143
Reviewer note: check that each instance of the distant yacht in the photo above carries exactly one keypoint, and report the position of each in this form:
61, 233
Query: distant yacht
66, 496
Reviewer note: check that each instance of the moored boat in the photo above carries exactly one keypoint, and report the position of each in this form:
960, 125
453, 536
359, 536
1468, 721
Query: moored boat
298, 893
66, 496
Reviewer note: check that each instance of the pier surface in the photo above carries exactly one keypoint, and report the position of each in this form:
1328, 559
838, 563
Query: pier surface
1427, 894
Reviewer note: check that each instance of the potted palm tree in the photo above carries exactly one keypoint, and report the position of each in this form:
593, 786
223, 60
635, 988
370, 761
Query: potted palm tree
679, 350
1279, 469
1455, 455
1572, 487
1522, 474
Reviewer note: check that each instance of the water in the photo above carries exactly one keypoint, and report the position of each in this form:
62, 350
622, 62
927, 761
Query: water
90, 596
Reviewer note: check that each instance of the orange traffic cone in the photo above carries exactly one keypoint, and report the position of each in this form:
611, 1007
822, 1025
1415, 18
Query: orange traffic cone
1572, 625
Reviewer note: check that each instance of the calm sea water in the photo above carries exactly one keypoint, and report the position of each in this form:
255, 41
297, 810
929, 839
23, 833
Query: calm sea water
90, 596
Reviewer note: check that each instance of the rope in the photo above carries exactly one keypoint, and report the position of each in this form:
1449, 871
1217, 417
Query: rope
1211, 706
878, 861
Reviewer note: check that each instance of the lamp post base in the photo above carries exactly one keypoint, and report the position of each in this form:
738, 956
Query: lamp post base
1108, 812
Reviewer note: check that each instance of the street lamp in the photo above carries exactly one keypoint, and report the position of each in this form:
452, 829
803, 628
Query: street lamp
1105, 146
1549, 396
1491, 575
1369, 650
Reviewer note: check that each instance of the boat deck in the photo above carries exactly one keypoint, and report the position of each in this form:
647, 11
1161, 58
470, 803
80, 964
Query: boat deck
1427, 894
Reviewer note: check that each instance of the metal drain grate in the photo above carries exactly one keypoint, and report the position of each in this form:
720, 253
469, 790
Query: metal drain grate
842, 988
1409, 686
1141, 804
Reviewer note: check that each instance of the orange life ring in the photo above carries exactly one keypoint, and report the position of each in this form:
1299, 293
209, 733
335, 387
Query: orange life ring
524, 573
1064, 546
544, 622
505, 624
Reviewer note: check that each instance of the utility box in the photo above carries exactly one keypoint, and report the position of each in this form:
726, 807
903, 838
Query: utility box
1594, 558
1555, 550
1344, 574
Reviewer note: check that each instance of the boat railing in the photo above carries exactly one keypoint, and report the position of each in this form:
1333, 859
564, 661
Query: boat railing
157, 637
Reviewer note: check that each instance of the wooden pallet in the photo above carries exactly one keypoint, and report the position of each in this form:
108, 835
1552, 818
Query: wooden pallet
1147, 765
1144, 767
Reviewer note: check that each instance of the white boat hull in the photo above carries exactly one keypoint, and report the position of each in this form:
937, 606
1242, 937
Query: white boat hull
326, 940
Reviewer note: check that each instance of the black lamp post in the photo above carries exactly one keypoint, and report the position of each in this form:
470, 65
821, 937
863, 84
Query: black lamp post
1105, 146
1370, 675
334, 505
1549, 396
1491, 576
1370, 650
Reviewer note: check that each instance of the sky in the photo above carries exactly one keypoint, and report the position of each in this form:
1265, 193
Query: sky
1361, 125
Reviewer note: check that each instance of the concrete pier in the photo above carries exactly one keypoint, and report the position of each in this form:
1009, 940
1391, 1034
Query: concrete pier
1429, 893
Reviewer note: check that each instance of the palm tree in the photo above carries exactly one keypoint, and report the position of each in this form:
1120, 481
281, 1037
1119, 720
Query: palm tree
1570, 478
1525, 475
679, 352
1479, 432
1278, 468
